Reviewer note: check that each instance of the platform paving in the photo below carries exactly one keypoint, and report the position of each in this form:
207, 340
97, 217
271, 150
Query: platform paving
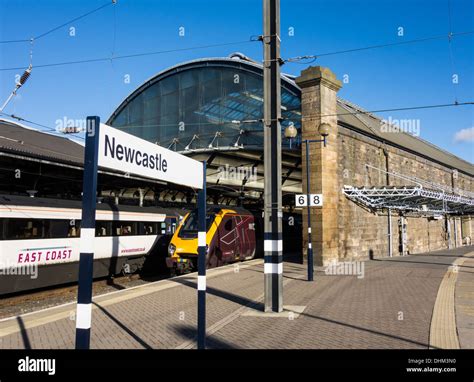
390, 307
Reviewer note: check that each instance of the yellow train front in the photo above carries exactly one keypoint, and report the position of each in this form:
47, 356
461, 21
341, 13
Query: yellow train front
230, 237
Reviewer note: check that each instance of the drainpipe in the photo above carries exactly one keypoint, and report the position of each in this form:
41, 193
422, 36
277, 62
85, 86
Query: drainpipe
390, 244
387, 181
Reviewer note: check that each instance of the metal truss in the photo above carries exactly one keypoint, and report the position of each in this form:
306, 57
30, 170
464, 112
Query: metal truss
411, 199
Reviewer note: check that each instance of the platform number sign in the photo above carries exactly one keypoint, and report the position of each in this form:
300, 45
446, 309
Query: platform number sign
315, 200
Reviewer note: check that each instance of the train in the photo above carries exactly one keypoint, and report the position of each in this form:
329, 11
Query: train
230, 237
39, 240
232, 234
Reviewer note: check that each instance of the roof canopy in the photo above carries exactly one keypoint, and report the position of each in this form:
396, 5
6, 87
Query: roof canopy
210, 98
411, 199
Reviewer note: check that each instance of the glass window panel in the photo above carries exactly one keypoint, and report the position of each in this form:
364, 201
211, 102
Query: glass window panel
206, 99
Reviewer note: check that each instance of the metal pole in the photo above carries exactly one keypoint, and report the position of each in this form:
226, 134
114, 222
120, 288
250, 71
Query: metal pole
86, 259
308, 192
273, 243
201, 342
390, 244
455, 232
448, 230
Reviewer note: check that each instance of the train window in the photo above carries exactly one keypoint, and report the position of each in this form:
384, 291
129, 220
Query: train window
56, 228
229, 225
190, 226
163, 228
147, 228
123, 228
24, 229
74, 229
103, 228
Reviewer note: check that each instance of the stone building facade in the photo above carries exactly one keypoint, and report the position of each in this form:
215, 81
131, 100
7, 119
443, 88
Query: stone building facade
343, 230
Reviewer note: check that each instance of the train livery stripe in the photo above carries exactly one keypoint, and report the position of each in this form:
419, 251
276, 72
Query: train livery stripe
83, 316
71, 213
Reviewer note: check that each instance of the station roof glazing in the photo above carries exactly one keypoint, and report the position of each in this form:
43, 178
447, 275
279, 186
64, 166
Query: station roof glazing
200, 105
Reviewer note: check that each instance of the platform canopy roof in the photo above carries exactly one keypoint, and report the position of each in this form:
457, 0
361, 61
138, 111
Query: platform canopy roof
411, 199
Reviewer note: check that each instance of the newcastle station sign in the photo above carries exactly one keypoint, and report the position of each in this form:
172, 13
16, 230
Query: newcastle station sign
131, 155
110, 148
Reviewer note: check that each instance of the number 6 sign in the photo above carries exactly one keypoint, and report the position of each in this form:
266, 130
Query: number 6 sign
315, 200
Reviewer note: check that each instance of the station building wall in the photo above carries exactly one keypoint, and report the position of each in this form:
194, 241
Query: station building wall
341, 229
364, 234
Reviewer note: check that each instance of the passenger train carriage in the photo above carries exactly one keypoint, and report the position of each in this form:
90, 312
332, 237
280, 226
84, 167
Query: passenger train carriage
39, 240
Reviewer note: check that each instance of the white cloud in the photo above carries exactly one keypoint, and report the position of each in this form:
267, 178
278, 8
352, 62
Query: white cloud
464, 135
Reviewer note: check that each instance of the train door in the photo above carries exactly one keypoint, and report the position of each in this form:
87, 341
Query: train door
241, 244
227, 237
249, 227
247, 237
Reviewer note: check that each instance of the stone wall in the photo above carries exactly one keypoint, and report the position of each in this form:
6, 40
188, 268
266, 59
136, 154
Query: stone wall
364, 234
342, 229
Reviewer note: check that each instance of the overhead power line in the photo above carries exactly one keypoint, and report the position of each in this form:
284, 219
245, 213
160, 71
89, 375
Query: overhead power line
425, 39
113, 58
47, 128
59, 26
313, 116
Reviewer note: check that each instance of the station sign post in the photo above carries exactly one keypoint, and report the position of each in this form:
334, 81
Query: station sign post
201, 335
86, 243
113, 149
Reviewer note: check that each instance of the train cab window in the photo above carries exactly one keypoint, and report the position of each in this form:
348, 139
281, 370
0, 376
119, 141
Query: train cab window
190, 226
163, 228
24, 229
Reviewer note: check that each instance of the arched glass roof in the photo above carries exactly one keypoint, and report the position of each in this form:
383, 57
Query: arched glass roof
205, 104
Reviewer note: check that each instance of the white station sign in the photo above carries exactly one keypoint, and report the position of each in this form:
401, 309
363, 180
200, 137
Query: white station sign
315, 200
132, 155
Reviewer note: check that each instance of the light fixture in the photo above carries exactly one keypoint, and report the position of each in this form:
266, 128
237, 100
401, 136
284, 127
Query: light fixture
324, 129
290, 131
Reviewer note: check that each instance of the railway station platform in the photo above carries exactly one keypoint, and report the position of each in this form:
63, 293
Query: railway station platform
416, 301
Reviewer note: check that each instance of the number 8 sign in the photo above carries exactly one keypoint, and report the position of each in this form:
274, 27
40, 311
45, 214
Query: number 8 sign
315, 200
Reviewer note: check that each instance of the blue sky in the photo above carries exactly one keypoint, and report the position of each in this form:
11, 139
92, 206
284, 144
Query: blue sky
400, 76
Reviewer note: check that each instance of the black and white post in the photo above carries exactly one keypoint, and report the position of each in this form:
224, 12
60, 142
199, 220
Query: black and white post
201, 284
86, 260
273, 243
308, 193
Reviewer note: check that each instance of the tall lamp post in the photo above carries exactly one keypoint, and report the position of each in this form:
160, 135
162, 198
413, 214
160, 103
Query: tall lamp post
323, 130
